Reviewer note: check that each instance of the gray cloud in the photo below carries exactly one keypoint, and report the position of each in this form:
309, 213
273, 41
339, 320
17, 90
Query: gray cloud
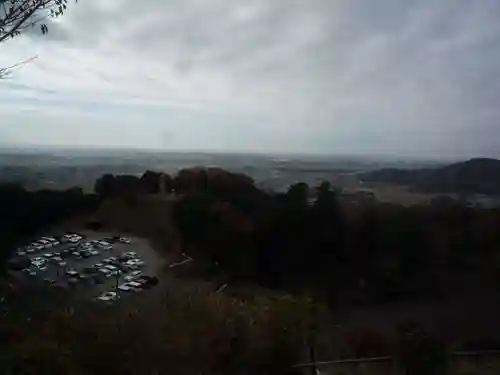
410, 78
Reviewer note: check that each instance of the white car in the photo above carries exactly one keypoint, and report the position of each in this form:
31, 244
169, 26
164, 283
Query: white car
135, 262
94, 252
105, 272
125, 288
108, 296
135, 286
109, 260
110, 267
20, 252
72, 272
124, 240
38, 263
48, 255
52, 240
130, 254
133, 275
104, 245
46, 244
62, 264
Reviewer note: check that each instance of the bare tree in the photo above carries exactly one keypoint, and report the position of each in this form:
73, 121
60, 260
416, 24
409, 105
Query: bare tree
18, 15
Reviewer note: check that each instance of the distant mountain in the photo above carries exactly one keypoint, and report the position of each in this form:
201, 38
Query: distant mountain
475, 176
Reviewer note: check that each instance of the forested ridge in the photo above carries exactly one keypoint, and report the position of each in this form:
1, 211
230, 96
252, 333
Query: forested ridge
474, 176
365, 253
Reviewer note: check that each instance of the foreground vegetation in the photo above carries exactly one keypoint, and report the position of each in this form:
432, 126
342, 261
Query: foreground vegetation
339, 253
177, 334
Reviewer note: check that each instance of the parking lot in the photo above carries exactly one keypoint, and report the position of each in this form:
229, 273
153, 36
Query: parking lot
89, 264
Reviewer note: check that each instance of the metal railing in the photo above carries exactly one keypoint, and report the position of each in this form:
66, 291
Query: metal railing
457, 359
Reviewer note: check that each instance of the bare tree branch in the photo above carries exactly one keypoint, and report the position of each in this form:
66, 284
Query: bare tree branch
4, 72
18, 15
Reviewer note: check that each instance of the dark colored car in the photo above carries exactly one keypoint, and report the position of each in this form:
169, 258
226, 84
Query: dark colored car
148, 280
19, 263
85, 254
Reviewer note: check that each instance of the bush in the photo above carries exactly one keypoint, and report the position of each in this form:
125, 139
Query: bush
184, 333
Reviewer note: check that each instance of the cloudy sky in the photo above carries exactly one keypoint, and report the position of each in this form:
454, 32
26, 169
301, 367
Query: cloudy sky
408, 78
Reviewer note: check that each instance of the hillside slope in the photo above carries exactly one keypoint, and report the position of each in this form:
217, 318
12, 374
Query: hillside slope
475, 176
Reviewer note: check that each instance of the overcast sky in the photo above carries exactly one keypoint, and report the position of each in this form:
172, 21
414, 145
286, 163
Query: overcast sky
408, 78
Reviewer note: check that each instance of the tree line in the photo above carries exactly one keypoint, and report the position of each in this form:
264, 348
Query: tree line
25, 213
364, 253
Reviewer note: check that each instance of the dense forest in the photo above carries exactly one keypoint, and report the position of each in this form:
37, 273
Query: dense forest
339, 252
24, 214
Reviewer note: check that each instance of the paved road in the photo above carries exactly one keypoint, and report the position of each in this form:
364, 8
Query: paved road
87, 289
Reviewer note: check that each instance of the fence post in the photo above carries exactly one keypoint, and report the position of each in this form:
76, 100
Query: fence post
311, 339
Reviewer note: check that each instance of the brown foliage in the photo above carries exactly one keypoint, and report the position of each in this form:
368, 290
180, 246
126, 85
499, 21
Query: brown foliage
184, 334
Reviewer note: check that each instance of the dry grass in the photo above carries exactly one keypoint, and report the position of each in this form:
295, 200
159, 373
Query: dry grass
178, 334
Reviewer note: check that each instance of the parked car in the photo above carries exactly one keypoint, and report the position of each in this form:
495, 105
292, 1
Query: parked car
104, 271
46, 244
135, 286
72, 272
94, 252
135, 262
104, 245
85, 254
38, 263
124, 240
125, 288
150, 280
108, 297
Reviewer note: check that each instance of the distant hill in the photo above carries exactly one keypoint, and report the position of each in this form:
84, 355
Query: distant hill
475, 176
